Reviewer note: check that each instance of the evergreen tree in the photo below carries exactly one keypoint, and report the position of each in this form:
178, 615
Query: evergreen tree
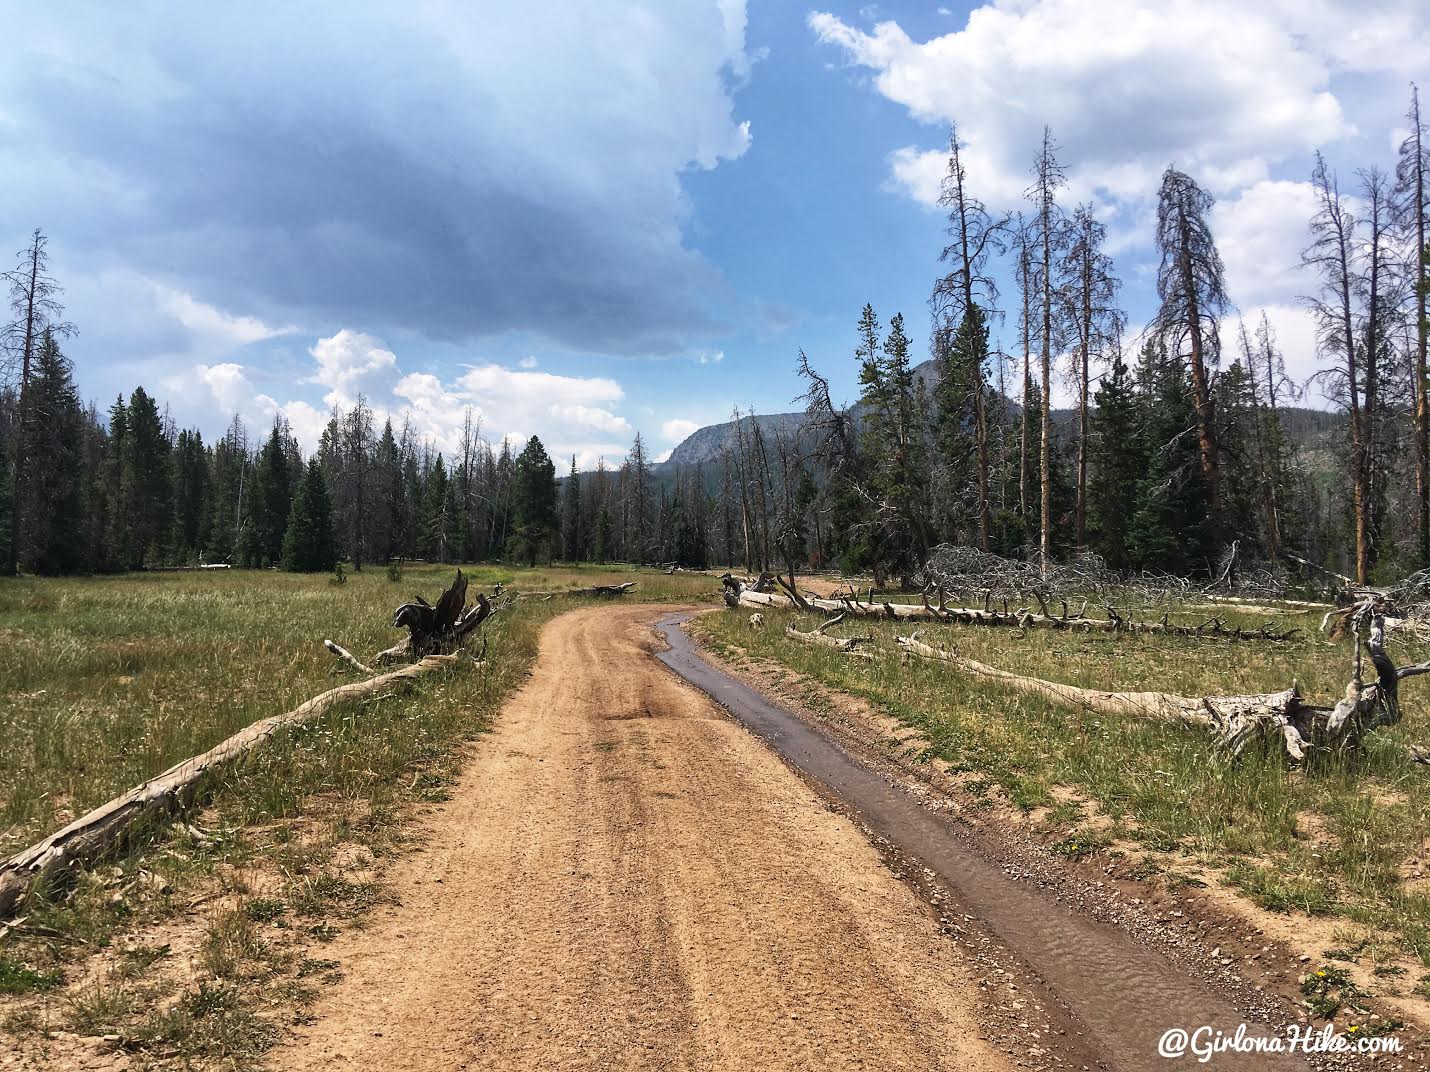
308, 544
601, 550
113, 537
191, 492
1171, 528
261, 543
412, 515
387, 521
572, 534
534, 501
145, 482
438, 531
230, 483
895, 460
55, 537
961, 361
1117, 462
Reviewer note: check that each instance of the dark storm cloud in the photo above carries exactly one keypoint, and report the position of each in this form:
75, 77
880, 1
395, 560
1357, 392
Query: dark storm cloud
435, 168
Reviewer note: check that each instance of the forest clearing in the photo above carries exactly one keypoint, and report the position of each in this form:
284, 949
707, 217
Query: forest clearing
712, 535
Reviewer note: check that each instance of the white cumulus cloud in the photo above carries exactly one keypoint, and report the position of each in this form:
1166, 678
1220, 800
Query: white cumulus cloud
678, 429
1222, 88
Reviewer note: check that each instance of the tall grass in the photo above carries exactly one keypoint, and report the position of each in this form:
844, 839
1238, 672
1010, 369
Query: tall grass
106, 681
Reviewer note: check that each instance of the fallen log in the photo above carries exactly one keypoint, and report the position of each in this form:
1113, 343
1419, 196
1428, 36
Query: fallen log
599, 590
1233, 721
101, 830
1024, 618
847, 645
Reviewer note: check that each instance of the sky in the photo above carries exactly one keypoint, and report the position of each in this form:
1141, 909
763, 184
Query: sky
584, 220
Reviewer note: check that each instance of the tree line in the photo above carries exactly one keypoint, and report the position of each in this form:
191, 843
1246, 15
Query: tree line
1173, 451
86, 490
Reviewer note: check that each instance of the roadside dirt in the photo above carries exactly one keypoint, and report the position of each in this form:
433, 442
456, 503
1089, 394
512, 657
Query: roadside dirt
625, 878
1249, 956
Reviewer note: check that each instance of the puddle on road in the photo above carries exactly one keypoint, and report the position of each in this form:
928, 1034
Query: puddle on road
1125, 995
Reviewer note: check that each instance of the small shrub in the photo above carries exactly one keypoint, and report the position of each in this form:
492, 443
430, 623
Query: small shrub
1079, 843
1327, 989
394, 571
340, 574
264, 909
16, 978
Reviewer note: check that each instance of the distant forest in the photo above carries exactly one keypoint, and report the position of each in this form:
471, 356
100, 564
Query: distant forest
1174, 451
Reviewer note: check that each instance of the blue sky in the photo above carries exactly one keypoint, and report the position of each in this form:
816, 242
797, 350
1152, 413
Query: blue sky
584, 219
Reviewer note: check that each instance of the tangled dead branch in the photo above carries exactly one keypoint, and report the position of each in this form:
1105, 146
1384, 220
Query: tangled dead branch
819, 636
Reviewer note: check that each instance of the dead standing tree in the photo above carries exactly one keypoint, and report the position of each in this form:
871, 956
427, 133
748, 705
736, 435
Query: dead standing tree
1049, 233
1192, 287
1352, 312
1412, 208
1090, 302
974, 235
35, 308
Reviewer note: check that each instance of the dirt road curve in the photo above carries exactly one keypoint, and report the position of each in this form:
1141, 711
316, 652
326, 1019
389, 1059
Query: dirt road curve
625, 879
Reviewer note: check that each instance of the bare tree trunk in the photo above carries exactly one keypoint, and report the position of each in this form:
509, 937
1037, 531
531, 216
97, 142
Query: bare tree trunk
87, 838
1045, 542
1085, 345
1422, 329
1201, 388
27, 353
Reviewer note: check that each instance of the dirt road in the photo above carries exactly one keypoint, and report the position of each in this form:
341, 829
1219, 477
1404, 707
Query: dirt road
623, 878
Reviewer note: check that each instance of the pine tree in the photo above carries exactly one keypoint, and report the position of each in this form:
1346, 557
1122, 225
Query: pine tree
534, 501
230, 481
437, 522
956, 417
1171, 528
55, 537
571, 531
191, 492
262, 541
113, 537
601, 551
37, 312
308, 544
1117, 462
146, 482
